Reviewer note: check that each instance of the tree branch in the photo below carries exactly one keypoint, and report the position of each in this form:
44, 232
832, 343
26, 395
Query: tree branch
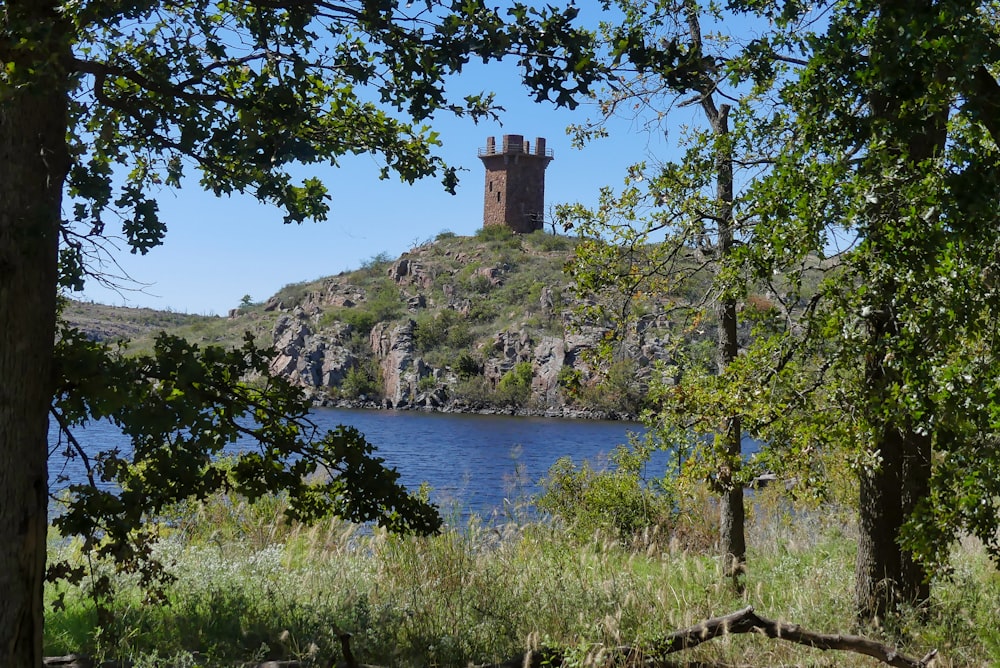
64, 428
747, 621
101, 71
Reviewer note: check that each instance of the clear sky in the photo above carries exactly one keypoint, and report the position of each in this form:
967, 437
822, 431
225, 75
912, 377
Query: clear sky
218, 250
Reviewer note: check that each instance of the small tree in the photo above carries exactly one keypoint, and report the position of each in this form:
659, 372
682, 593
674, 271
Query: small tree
514, 387
673, 224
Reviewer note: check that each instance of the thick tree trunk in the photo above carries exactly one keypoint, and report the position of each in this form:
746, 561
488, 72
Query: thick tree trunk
33, 122
886, 575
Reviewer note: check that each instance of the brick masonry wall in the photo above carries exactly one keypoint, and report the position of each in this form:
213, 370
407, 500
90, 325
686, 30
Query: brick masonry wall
514, 192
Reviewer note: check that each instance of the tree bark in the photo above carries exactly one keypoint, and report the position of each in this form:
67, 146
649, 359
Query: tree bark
731, 520
33, 163
886, 575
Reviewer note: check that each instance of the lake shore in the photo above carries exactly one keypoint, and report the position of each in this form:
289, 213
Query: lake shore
462, 407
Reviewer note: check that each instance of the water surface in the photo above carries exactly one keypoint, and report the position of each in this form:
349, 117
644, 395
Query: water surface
472, 462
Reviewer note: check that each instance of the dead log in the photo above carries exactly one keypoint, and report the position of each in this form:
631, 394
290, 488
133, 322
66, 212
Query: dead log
68, 661
741, 621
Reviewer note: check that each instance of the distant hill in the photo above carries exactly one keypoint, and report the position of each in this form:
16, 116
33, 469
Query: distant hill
114, 323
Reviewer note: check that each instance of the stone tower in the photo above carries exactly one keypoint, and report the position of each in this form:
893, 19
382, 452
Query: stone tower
515, 183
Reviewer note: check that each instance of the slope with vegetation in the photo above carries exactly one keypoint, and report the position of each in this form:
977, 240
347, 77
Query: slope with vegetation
488, 323
481, 323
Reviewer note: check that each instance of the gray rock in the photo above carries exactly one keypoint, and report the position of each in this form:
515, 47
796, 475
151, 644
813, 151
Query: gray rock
307, 359
401, 369
549, 358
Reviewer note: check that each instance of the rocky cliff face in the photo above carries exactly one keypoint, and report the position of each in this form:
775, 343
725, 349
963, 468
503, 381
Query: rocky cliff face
443, 326
308, 358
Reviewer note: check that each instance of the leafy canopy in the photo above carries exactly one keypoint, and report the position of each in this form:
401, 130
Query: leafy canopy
868, 124
181, 406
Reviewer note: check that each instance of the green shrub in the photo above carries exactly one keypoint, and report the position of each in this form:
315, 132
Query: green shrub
476, 390
619, 390
385, 301
467, 366
547, 242
460, 335
570, 380
376, 264
484, 311
614, 502
427, 383
480, 284
445, 234
362, 380
517, 290
293, 293
500, 233
514, 387
447, 327
360, 319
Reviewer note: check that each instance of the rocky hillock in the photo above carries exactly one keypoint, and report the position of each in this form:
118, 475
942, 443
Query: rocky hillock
486, 323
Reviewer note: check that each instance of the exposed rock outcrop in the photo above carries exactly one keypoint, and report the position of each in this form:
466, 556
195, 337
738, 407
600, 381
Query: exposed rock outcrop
401, 370
308, 359
407, 271
439, 328
549, 358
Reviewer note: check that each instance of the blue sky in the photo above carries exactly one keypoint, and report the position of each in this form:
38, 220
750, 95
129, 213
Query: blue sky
218, 250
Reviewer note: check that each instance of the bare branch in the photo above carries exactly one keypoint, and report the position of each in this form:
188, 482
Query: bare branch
64, 429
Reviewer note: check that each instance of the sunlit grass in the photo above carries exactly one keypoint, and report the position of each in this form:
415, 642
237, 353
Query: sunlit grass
250, 587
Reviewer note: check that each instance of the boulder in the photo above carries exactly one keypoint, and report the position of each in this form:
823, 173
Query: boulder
407, 271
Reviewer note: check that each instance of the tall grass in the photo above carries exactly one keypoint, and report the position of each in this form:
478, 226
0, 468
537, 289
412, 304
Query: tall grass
250, 587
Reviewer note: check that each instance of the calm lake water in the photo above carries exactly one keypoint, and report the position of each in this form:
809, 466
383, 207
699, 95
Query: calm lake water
472, 462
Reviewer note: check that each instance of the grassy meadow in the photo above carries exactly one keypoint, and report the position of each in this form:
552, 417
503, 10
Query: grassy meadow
250, 587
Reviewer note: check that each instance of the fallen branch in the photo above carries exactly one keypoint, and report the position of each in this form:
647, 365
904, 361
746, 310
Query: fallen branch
741, 621
747, 621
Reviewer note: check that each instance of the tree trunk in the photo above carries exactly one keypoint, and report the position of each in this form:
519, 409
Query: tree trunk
732, 535
33, 159
731, 520
887, 576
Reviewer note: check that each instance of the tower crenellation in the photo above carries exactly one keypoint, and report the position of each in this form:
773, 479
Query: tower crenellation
515, 182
